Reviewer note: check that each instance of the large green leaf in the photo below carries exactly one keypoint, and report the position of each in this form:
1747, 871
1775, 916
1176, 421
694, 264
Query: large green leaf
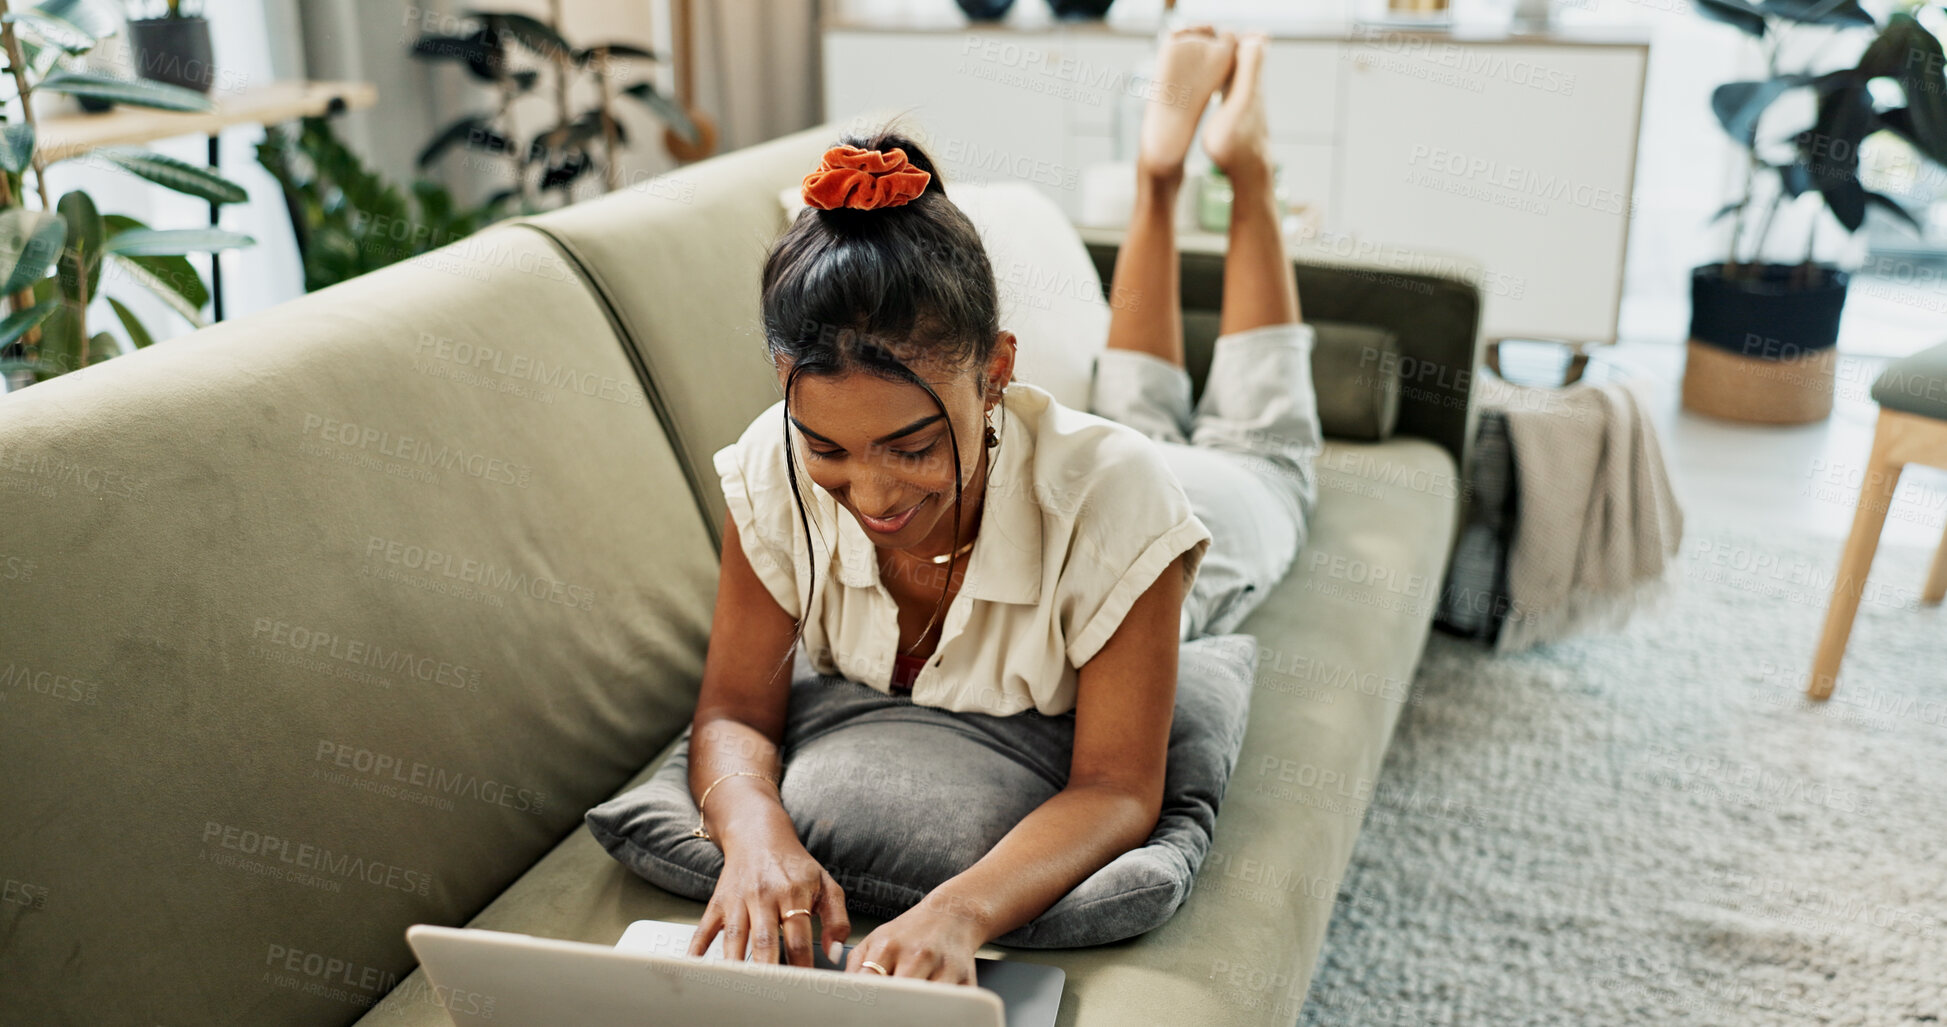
532, 33
17, 146
480, 52
181, 176
163, 242
39, 58
1899, 121
137, 333
42, 372
172, 279
1819, 12
1795, 178
619, 55
1734, 12
103, 346
570, 134
1888, 204
73, 25
474, 130
30, 243
18, 322
136, 92
1909, 54
670, 111
52, 31
82, 251
1831, 149
1739, 105
60, 345
97, 18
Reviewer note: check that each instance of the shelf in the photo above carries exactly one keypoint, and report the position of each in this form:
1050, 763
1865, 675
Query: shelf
73, 134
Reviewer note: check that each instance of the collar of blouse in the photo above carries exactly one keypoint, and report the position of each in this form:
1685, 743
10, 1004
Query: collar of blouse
1006, 563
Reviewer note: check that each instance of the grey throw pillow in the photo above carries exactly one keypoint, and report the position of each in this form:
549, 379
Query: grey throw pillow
894, 798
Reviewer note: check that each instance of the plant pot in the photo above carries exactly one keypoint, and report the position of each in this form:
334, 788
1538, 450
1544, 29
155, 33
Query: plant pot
175, 51
1080, 10
1761, 350
985, 10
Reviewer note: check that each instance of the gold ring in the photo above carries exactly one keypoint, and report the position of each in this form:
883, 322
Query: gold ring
870, 965
789, 913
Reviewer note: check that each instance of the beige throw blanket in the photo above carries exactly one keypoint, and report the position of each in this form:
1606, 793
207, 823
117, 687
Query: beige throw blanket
1596, 523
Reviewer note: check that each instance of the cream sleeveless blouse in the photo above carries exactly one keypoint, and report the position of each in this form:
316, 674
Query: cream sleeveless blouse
1082, 514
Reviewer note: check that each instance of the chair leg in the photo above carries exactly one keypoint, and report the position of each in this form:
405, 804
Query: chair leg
1937, 578
1875, 496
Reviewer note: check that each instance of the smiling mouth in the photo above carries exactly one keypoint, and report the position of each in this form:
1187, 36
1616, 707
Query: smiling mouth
887, 526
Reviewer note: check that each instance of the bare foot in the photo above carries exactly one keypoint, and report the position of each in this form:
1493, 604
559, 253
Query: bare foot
1190, 64
1238, 138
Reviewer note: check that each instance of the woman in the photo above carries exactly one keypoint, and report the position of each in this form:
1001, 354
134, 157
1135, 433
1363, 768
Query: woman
981, 547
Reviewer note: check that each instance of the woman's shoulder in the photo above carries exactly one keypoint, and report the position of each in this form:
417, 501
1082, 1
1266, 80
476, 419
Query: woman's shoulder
1082, 459
759, 452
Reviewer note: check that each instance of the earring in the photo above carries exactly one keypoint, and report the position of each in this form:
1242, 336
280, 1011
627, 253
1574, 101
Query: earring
993, 437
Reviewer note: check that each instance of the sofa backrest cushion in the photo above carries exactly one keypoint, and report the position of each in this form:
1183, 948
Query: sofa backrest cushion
335, 619
677, 260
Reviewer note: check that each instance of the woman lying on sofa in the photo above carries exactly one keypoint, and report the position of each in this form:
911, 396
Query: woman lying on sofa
1046, 566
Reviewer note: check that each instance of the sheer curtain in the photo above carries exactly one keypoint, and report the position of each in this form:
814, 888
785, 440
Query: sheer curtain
757, 76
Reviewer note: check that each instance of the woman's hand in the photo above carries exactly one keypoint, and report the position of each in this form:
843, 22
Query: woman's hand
758, 885
933, 941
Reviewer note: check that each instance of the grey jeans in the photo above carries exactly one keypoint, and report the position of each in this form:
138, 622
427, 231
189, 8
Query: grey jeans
1244, 454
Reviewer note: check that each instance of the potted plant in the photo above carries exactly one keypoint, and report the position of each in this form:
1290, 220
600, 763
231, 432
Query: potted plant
174, 47
578, 143
53, 254
345, 217
1762, 333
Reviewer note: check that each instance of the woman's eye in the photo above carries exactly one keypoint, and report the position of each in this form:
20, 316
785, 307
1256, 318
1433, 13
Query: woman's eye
904, 454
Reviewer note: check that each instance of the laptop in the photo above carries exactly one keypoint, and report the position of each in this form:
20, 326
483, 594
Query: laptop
518, 980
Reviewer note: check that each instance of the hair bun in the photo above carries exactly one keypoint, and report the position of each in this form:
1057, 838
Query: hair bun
849, 176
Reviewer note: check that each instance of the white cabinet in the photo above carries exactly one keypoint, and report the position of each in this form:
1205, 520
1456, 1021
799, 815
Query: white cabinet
1520, 157
1515, 152
982, 112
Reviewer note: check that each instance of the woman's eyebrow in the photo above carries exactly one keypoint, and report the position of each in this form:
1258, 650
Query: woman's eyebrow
908, 430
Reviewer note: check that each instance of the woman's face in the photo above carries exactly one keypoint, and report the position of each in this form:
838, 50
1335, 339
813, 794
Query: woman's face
884, 452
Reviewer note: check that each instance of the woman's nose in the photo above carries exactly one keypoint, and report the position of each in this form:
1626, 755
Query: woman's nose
875, 493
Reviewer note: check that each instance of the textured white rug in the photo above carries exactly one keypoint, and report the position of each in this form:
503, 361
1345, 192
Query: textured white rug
1655, 827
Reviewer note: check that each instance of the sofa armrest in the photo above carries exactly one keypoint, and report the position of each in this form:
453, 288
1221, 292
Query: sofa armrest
1435, 317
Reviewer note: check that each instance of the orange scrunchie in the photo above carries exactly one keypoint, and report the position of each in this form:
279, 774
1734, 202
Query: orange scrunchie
863, 179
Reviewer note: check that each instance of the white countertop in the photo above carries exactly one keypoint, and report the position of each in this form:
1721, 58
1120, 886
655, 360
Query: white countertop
1025, 19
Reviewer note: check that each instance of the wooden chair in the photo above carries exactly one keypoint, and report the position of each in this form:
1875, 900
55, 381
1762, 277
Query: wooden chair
1912, 429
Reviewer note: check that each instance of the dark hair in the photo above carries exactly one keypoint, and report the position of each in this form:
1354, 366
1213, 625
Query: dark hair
847, 290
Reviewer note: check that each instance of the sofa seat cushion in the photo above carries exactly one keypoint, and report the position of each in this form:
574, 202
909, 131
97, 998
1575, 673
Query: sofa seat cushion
1339, 639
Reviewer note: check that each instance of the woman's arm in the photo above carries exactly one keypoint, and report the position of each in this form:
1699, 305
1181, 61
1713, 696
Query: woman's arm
738, 726
1114, 796
739, 719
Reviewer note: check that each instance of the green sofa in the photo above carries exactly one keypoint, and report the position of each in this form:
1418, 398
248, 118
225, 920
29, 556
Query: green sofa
334, 618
